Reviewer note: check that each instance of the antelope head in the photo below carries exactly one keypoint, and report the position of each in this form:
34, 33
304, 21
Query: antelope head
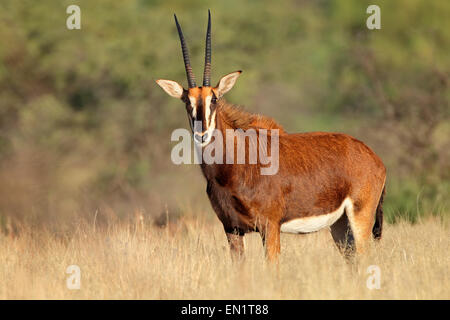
201, 102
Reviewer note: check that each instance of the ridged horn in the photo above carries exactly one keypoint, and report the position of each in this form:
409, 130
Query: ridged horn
207, 71
187, 63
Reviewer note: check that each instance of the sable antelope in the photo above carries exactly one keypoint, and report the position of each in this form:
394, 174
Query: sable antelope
324, 179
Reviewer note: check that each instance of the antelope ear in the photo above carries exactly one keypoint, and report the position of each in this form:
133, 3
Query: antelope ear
227, 82
172, 88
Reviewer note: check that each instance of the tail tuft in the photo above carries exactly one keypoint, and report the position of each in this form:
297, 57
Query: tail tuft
378, 226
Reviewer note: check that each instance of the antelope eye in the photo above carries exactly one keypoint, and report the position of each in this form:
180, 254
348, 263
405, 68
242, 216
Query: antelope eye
214, 100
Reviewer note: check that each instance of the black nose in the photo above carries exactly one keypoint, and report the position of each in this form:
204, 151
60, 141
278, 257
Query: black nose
200, 138
197, 137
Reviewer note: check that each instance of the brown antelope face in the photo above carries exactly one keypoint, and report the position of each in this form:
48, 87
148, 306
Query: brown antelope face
201, 102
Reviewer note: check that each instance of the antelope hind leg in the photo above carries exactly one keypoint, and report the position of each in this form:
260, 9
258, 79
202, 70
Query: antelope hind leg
343, 236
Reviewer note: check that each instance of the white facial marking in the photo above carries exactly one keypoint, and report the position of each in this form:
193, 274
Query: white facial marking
212, 124
194, 112
315, 223
194, 106
207, 110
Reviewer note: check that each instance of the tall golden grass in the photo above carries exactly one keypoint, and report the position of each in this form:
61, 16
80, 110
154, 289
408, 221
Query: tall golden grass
190, 260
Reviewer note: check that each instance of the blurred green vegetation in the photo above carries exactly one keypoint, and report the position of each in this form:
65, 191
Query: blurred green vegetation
84, 126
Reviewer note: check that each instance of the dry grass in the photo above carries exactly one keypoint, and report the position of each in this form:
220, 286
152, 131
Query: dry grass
139, 261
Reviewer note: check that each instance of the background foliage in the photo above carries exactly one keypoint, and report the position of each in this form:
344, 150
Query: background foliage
85, 131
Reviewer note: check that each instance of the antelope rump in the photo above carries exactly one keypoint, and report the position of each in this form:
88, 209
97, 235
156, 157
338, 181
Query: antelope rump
323, 179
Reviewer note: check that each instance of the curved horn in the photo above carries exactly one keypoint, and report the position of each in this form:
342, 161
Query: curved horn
207, 71
187, 63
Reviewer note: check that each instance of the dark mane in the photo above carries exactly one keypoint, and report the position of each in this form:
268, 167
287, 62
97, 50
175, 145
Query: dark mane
237, 118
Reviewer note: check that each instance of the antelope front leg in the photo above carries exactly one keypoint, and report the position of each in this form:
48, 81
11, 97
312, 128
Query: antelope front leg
271, 240
236, 242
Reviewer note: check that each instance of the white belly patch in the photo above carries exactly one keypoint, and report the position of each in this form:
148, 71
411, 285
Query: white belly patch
315, 223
